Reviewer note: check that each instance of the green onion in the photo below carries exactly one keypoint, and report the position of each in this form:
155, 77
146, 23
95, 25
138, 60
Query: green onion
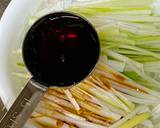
135, 120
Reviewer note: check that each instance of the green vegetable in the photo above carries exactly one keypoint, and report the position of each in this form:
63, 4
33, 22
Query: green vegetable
20, 64
135, 120
124, 89
132, 75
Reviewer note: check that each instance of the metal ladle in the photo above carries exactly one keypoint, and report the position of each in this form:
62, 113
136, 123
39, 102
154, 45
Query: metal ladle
54, 32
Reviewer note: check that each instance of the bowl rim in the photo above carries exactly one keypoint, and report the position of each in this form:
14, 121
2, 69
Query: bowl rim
11, 25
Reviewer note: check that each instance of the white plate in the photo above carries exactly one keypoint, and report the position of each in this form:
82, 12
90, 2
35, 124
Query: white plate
11, 27
11, 36
12, 33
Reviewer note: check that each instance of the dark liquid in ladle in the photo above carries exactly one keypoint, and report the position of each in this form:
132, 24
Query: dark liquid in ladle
61, 49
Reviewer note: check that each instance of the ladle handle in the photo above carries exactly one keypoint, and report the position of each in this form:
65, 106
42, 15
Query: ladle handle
24, 105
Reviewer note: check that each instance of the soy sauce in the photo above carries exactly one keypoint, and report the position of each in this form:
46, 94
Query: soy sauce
61, 49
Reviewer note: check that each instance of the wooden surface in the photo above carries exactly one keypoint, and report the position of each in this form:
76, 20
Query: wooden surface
3, 5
